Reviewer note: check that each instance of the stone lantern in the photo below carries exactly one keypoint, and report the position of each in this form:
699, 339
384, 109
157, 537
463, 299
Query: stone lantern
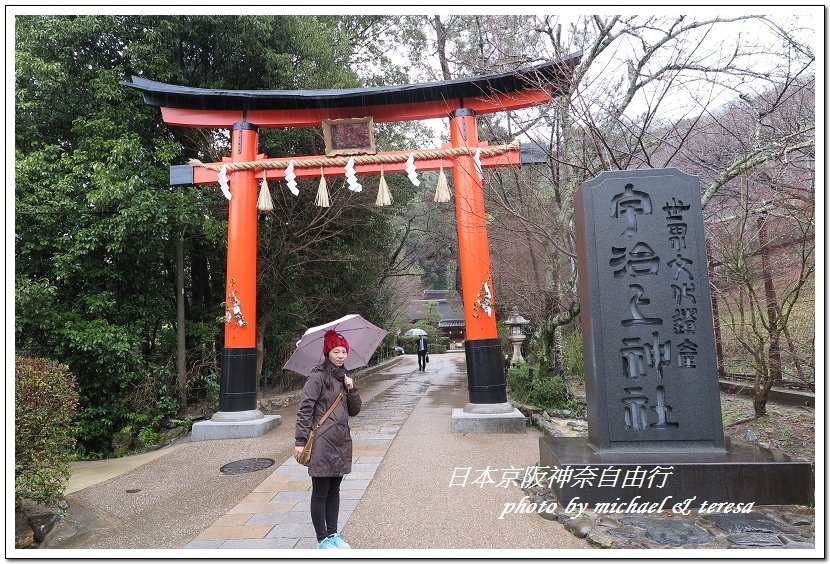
515, 322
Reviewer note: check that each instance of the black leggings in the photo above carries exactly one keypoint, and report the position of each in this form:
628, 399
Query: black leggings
325, 505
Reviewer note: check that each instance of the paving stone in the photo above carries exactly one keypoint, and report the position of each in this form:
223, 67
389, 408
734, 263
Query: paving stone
579, 527
796, 520
743, 523
202, 544
297, 474
373, 431
354, 485
280, 518
246, 531
348, 504
306, 543
618, 544
800, 545
291, 496
344, 517
549, 516
669, 532
351, 494
359, 476
287, 487
377, 442
250, 507
43, 524
364, 467
615, 536
291, 530
232, 520
755, 540
258, 497
796, 540
260, 543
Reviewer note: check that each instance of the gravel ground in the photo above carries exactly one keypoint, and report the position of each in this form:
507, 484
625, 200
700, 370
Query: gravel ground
790, 429
184, 496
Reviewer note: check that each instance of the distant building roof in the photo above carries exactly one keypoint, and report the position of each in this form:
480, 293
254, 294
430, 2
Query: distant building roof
436, 295
448, 323
445, 310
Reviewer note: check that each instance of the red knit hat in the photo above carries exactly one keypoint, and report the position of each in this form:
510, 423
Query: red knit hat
334, 339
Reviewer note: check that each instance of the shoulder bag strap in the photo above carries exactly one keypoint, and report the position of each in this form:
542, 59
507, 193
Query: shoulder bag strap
329, 410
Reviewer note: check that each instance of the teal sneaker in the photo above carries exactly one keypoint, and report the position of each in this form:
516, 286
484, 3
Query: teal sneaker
339, 541
327, 542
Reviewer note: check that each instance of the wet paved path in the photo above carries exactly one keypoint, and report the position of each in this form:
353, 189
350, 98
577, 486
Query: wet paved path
276, 514
419, 498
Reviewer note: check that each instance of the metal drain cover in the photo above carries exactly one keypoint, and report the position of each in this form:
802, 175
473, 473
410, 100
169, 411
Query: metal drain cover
247, 465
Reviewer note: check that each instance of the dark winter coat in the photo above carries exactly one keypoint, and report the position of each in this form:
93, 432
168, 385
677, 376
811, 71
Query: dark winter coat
331, 454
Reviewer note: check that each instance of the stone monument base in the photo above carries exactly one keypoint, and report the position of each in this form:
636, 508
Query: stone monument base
234, 425
480, 420
744, 473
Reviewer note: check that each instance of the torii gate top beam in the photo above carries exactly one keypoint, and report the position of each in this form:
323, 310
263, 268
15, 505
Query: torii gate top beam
205, 107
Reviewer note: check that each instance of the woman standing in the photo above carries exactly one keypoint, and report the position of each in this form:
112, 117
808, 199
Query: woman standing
331, 455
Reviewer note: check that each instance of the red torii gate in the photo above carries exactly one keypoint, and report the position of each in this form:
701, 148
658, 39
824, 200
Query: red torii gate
245, 111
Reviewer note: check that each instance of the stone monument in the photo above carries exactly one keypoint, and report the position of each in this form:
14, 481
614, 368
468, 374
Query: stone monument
650, 365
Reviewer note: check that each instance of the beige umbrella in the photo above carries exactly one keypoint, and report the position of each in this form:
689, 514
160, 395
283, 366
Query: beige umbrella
363, 337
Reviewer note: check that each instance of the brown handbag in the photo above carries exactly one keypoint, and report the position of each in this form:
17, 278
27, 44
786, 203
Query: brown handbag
305, 456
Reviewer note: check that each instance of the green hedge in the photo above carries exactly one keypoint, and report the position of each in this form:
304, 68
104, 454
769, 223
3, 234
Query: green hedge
547, 392
45, 404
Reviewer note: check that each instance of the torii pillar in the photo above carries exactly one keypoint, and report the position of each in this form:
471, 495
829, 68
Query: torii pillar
488, 409
238, 415
237, 388
244, 112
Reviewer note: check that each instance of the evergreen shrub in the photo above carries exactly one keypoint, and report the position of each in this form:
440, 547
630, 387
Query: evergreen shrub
45, 404
573, 361
546, 392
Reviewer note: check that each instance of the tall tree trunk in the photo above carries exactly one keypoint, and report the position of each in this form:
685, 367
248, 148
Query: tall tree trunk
759, 402
716, 316
441, 46
799, 370
556, 349
558, 356
181, 348
772, 306
261, 326
200, 287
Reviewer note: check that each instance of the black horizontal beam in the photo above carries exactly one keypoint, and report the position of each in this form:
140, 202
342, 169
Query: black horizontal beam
556, 73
